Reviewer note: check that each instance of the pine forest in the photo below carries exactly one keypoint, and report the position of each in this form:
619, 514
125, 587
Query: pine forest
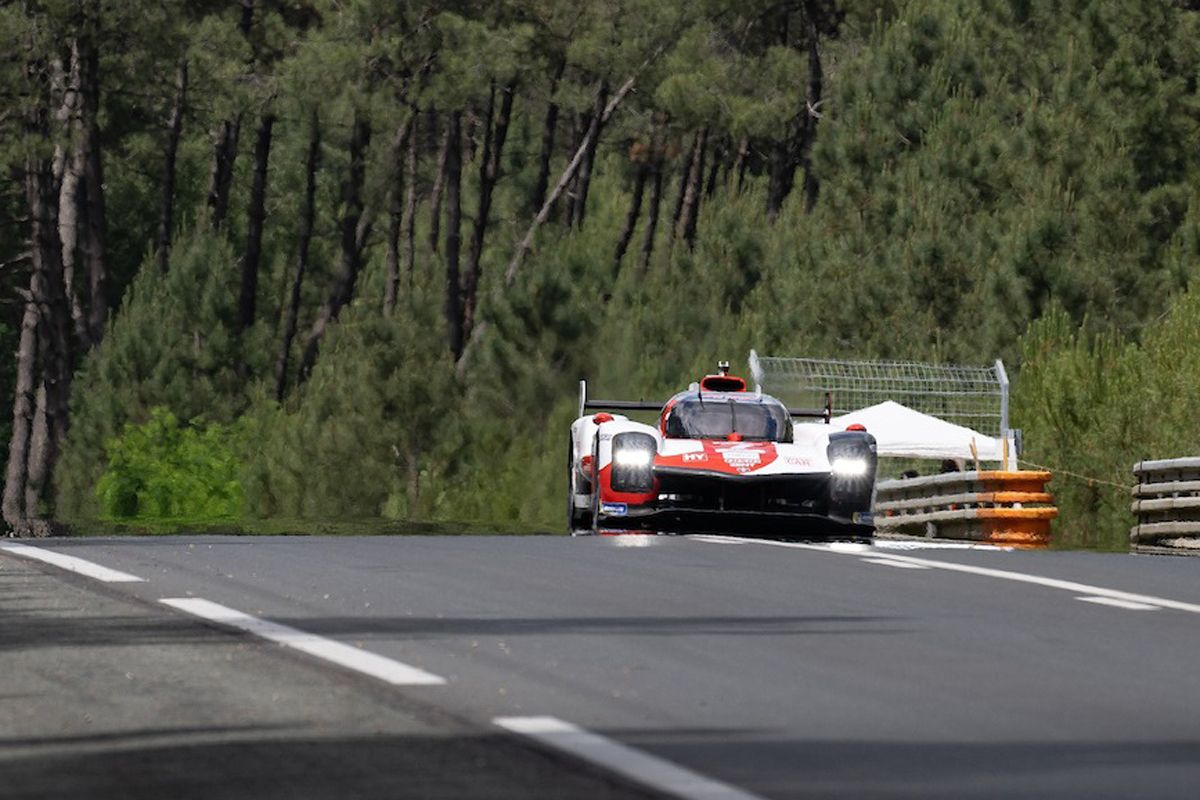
343, 262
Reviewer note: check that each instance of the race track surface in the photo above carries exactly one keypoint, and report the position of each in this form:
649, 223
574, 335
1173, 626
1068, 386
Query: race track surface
698, 666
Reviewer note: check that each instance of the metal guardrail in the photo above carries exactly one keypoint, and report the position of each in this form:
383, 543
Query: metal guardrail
984, 506
1166, 503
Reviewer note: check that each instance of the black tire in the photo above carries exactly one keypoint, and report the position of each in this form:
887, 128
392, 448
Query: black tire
594, 522
578, 520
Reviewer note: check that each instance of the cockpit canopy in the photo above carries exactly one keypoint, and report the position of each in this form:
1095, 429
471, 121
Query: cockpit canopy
697, 416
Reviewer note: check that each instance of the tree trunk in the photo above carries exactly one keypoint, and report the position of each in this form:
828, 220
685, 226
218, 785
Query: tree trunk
489, 174
49, 292
589, 157
15, 473
782, 176
549, 127
631, 218
656, 192
410, 211
256, 216
742, 161
526, 242
307, 218
811, 114
435, 194
70, 159
39, 451
470, 125
453, 236
391, 285
166, 219
691, 200
246, 23
580, 124
221, 176
95, 217
685, 179
719, 154
354, 230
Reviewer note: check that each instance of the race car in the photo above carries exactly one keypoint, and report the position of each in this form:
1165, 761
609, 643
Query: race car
722, 458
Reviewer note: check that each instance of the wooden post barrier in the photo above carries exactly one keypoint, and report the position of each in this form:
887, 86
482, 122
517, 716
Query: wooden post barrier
1166, 503
992, 506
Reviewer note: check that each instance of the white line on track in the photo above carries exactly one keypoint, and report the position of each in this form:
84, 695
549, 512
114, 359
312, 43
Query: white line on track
911, 544
642, 767
988, 572
70, 563
1108, 601
891, 562
368, 663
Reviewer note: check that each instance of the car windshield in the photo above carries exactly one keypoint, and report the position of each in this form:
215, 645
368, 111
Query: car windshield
716, 419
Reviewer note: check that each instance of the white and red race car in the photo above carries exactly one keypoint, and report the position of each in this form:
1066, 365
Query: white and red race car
721, 458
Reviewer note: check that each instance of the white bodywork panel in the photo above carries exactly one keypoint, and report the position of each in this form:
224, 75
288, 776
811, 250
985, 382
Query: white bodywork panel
806, 454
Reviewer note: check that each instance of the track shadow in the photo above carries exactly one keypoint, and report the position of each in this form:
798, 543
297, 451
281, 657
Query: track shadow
261, 764
439, 627
932, 767
25, 630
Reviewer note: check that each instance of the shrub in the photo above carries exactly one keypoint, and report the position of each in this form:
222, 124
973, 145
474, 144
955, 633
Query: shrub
165, 469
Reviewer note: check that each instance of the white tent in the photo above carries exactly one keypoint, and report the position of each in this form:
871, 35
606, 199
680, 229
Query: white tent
902, 431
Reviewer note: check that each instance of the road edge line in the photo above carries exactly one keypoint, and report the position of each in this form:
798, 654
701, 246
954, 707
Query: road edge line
365, 662
628, 762
73, 564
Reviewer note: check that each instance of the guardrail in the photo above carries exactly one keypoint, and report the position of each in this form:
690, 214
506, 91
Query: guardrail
983, 506
1167, 504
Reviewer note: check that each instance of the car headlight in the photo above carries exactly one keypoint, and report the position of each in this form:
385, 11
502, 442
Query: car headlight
633, 462
850, 467
633, 458
852, 460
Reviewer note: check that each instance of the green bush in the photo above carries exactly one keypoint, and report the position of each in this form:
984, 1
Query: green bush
165, 469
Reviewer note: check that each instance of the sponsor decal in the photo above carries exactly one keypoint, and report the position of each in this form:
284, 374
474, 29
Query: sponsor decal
689, 458
798, 461
741, 457
614, 509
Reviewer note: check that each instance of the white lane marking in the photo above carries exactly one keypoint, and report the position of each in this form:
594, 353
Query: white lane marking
71, 563
1055, 583
612, 755
902, 544
368, 663
891, 562
713, 539
1019, 577
1109, 601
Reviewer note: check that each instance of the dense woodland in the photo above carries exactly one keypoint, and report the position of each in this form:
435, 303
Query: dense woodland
346, 259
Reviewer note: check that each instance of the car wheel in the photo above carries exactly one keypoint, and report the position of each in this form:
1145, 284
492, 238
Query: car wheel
595, 520
578, 520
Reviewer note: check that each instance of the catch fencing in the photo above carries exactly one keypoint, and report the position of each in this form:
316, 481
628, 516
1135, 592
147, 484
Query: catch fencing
1166, 504
974, 397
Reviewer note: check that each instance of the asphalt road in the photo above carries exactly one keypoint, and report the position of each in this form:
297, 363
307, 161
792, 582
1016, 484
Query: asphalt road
773, 671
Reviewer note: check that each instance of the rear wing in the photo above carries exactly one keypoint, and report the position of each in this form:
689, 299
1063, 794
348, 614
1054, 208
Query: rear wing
588, 404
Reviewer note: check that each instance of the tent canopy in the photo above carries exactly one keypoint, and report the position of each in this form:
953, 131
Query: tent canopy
900, 431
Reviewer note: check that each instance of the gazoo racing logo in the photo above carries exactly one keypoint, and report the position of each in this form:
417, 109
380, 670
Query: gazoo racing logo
744, 457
